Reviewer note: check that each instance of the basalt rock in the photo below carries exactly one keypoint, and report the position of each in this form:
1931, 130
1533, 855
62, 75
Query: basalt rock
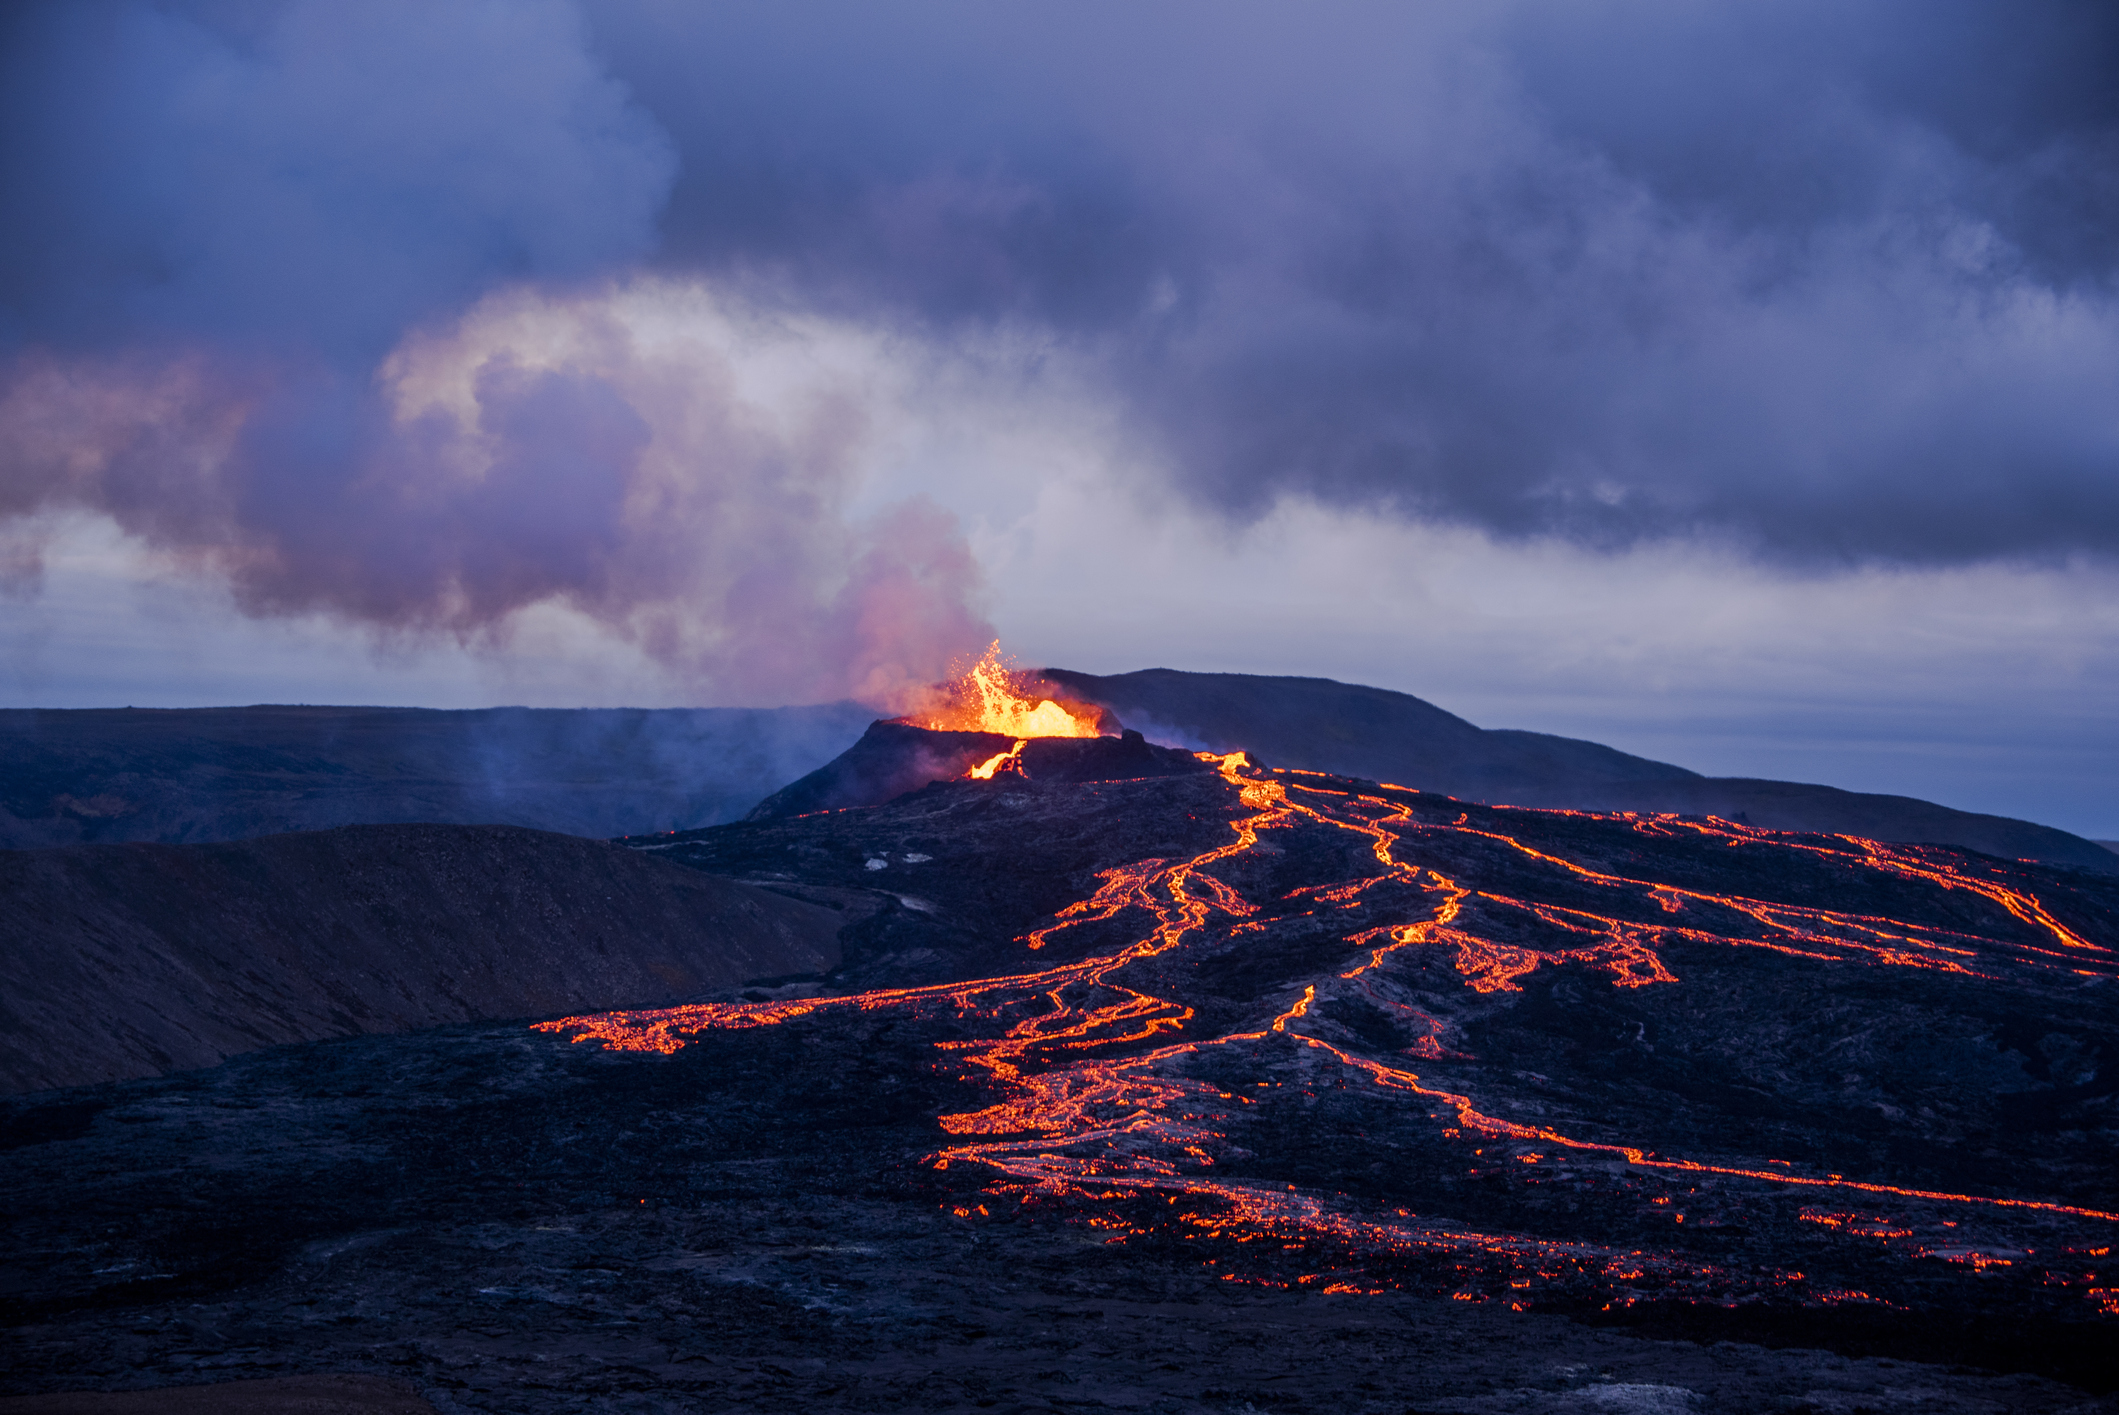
1183, 1092
893, 758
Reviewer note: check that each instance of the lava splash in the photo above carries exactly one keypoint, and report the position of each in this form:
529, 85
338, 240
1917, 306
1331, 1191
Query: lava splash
991, 696
1378, 1038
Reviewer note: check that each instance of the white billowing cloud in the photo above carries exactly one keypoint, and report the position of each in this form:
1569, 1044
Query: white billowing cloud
679, 470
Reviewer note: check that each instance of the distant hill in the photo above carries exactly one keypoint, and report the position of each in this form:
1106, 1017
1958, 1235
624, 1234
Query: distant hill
202, 774
127, 960
205, 774
1351, 730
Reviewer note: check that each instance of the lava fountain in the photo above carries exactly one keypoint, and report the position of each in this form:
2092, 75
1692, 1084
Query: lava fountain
991, 696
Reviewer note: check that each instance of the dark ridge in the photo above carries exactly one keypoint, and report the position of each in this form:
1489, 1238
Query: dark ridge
187, 775
893, 758
129, 960
1345, 728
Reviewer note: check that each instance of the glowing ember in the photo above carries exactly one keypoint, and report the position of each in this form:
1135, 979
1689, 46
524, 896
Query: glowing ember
992, 697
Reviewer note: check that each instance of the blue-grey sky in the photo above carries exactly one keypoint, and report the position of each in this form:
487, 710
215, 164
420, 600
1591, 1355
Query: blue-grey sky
1735, 382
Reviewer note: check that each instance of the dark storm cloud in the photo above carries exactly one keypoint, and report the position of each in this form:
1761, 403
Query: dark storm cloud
1836, 282
315, 175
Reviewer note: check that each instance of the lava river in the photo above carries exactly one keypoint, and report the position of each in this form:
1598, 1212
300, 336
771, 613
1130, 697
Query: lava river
1378, 1038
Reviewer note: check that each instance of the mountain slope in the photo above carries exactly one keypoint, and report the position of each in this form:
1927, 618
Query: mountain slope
127, 960
201, 774
893, 758
1322, 725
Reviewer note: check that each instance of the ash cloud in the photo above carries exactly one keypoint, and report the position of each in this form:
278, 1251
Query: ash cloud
1829, 283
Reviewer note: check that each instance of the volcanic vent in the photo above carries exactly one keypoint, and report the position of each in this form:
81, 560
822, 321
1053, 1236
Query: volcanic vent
992, 720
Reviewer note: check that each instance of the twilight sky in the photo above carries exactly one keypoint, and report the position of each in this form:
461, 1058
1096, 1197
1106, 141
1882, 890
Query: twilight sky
1736, 383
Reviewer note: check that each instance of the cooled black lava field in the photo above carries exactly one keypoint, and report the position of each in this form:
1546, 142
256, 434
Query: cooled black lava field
1237, 1087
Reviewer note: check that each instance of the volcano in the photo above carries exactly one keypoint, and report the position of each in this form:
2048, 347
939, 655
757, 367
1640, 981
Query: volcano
1144, 1090
209, 774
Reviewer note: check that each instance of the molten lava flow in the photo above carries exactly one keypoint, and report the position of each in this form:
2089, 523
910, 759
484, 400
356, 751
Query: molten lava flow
992, 697
1009, 760
1107, 1089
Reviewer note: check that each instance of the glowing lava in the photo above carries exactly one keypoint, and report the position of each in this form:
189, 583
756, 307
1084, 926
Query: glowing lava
999, 761
1108, 1089
992, 697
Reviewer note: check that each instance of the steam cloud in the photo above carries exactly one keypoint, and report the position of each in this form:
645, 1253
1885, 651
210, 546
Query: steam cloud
536, 452
1835, 283
324, 303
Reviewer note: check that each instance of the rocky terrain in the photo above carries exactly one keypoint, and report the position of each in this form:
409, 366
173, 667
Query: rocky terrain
511, 1223
129, 960
1233, 1088
892, 759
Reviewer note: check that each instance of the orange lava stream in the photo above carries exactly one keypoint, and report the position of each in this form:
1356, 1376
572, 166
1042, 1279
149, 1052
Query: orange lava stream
1000, 761
1125, 1125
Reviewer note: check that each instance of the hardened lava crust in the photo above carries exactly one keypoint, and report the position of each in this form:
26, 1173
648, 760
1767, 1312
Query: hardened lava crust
1236, 1087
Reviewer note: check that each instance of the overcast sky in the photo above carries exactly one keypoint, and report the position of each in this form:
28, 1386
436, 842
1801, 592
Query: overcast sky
1736, 383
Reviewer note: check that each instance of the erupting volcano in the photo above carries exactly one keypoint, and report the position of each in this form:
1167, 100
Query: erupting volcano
1257, 1062
1327, 1033
990, 696
990, 721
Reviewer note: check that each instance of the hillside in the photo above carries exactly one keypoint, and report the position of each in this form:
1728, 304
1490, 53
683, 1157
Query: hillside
1322, 725
199, 774
128, 960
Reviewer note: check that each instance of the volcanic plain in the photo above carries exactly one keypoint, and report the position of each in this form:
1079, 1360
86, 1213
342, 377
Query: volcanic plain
1220, 1088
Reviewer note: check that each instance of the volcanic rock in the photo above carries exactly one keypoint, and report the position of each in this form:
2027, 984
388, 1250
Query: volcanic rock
285, 1395
1352, 730
128, 960
893, 758
1177, 1092
1560, 1059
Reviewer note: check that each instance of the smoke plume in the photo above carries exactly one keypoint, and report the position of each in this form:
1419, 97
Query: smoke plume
352, 304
